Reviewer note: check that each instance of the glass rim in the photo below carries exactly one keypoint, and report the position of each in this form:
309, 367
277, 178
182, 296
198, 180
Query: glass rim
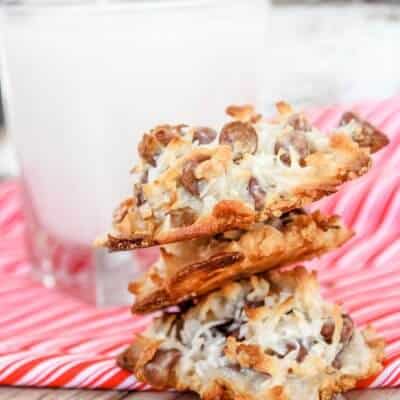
52, 8
21, 4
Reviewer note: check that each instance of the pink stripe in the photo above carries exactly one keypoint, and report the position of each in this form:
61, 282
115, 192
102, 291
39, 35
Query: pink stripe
71, 339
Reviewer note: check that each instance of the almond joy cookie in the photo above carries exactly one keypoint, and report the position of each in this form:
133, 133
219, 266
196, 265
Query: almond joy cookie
196, 181
271, 337
189, 269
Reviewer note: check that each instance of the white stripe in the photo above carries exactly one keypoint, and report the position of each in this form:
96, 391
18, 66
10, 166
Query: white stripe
89, 371
34, 374
118, 350
8, 210
381, 378
56, 374
393, 348
388, 320
90, 381
14, 365
85, 328
107, 376
373, 310
127, 383
40, 303
16, 328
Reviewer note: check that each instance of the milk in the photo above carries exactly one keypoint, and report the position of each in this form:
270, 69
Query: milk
85, 80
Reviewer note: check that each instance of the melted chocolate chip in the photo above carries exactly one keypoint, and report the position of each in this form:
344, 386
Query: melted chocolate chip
257, 192
235, 367
336, 362
241, 137
204, 135
296, 211
275, 222
145, 177
178, 324
188, 178
347, 329
289, 348
298, 141
186, 305
236, 334
369, 136
273, 353
159, 371
299, 122
229, 328
327, 330
225, 328
254, 303
302, 354
139, 195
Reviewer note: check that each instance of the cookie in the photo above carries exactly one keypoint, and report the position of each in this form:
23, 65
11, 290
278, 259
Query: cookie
195, 182
189, 269
266, 338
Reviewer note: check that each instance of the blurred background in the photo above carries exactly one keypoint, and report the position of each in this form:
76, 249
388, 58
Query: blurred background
318, 53
82, 80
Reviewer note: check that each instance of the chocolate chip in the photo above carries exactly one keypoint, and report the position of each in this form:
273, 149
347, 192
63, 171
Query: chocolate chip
182, 217
299, 122
290, 347
229, 328
241, 137
186, 305
204, 135
336, 362
236, 334
369, 136
327, 330
347, 329
225, 328
235, 367
298, 141
272, 352
296, 211
275, 222
348, 117
129, 358
188, 178
257, 192
149, 149
145, 177
159, 371
178, 324
139, 195
302, 353
254, 303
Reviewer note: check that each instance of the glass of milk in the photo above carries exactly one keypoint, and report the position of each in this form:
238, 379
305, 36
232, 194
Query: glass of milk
83, 81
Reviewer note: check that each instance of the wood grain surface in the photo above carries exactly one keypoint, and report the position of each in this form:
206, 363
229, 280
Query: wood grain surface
7, 393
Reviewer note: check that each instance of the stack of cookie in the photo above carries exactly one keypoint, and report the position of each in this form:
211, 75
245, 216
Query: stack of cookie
226, 207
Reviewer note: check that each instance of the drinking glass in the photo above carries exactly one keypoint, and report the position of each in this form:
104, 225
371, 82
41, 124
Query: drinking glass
83, 80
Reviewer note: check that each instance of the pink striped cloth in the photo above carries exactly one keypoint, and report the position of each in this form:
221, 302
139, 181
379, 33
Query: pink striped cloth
49, 339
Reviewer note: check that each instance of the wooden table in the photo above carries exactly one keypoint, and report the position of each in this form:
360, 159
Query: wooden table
7, 393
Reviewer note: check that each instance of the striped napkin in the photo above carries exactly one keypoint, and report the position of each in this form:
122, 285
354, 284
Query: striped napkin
48, 339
